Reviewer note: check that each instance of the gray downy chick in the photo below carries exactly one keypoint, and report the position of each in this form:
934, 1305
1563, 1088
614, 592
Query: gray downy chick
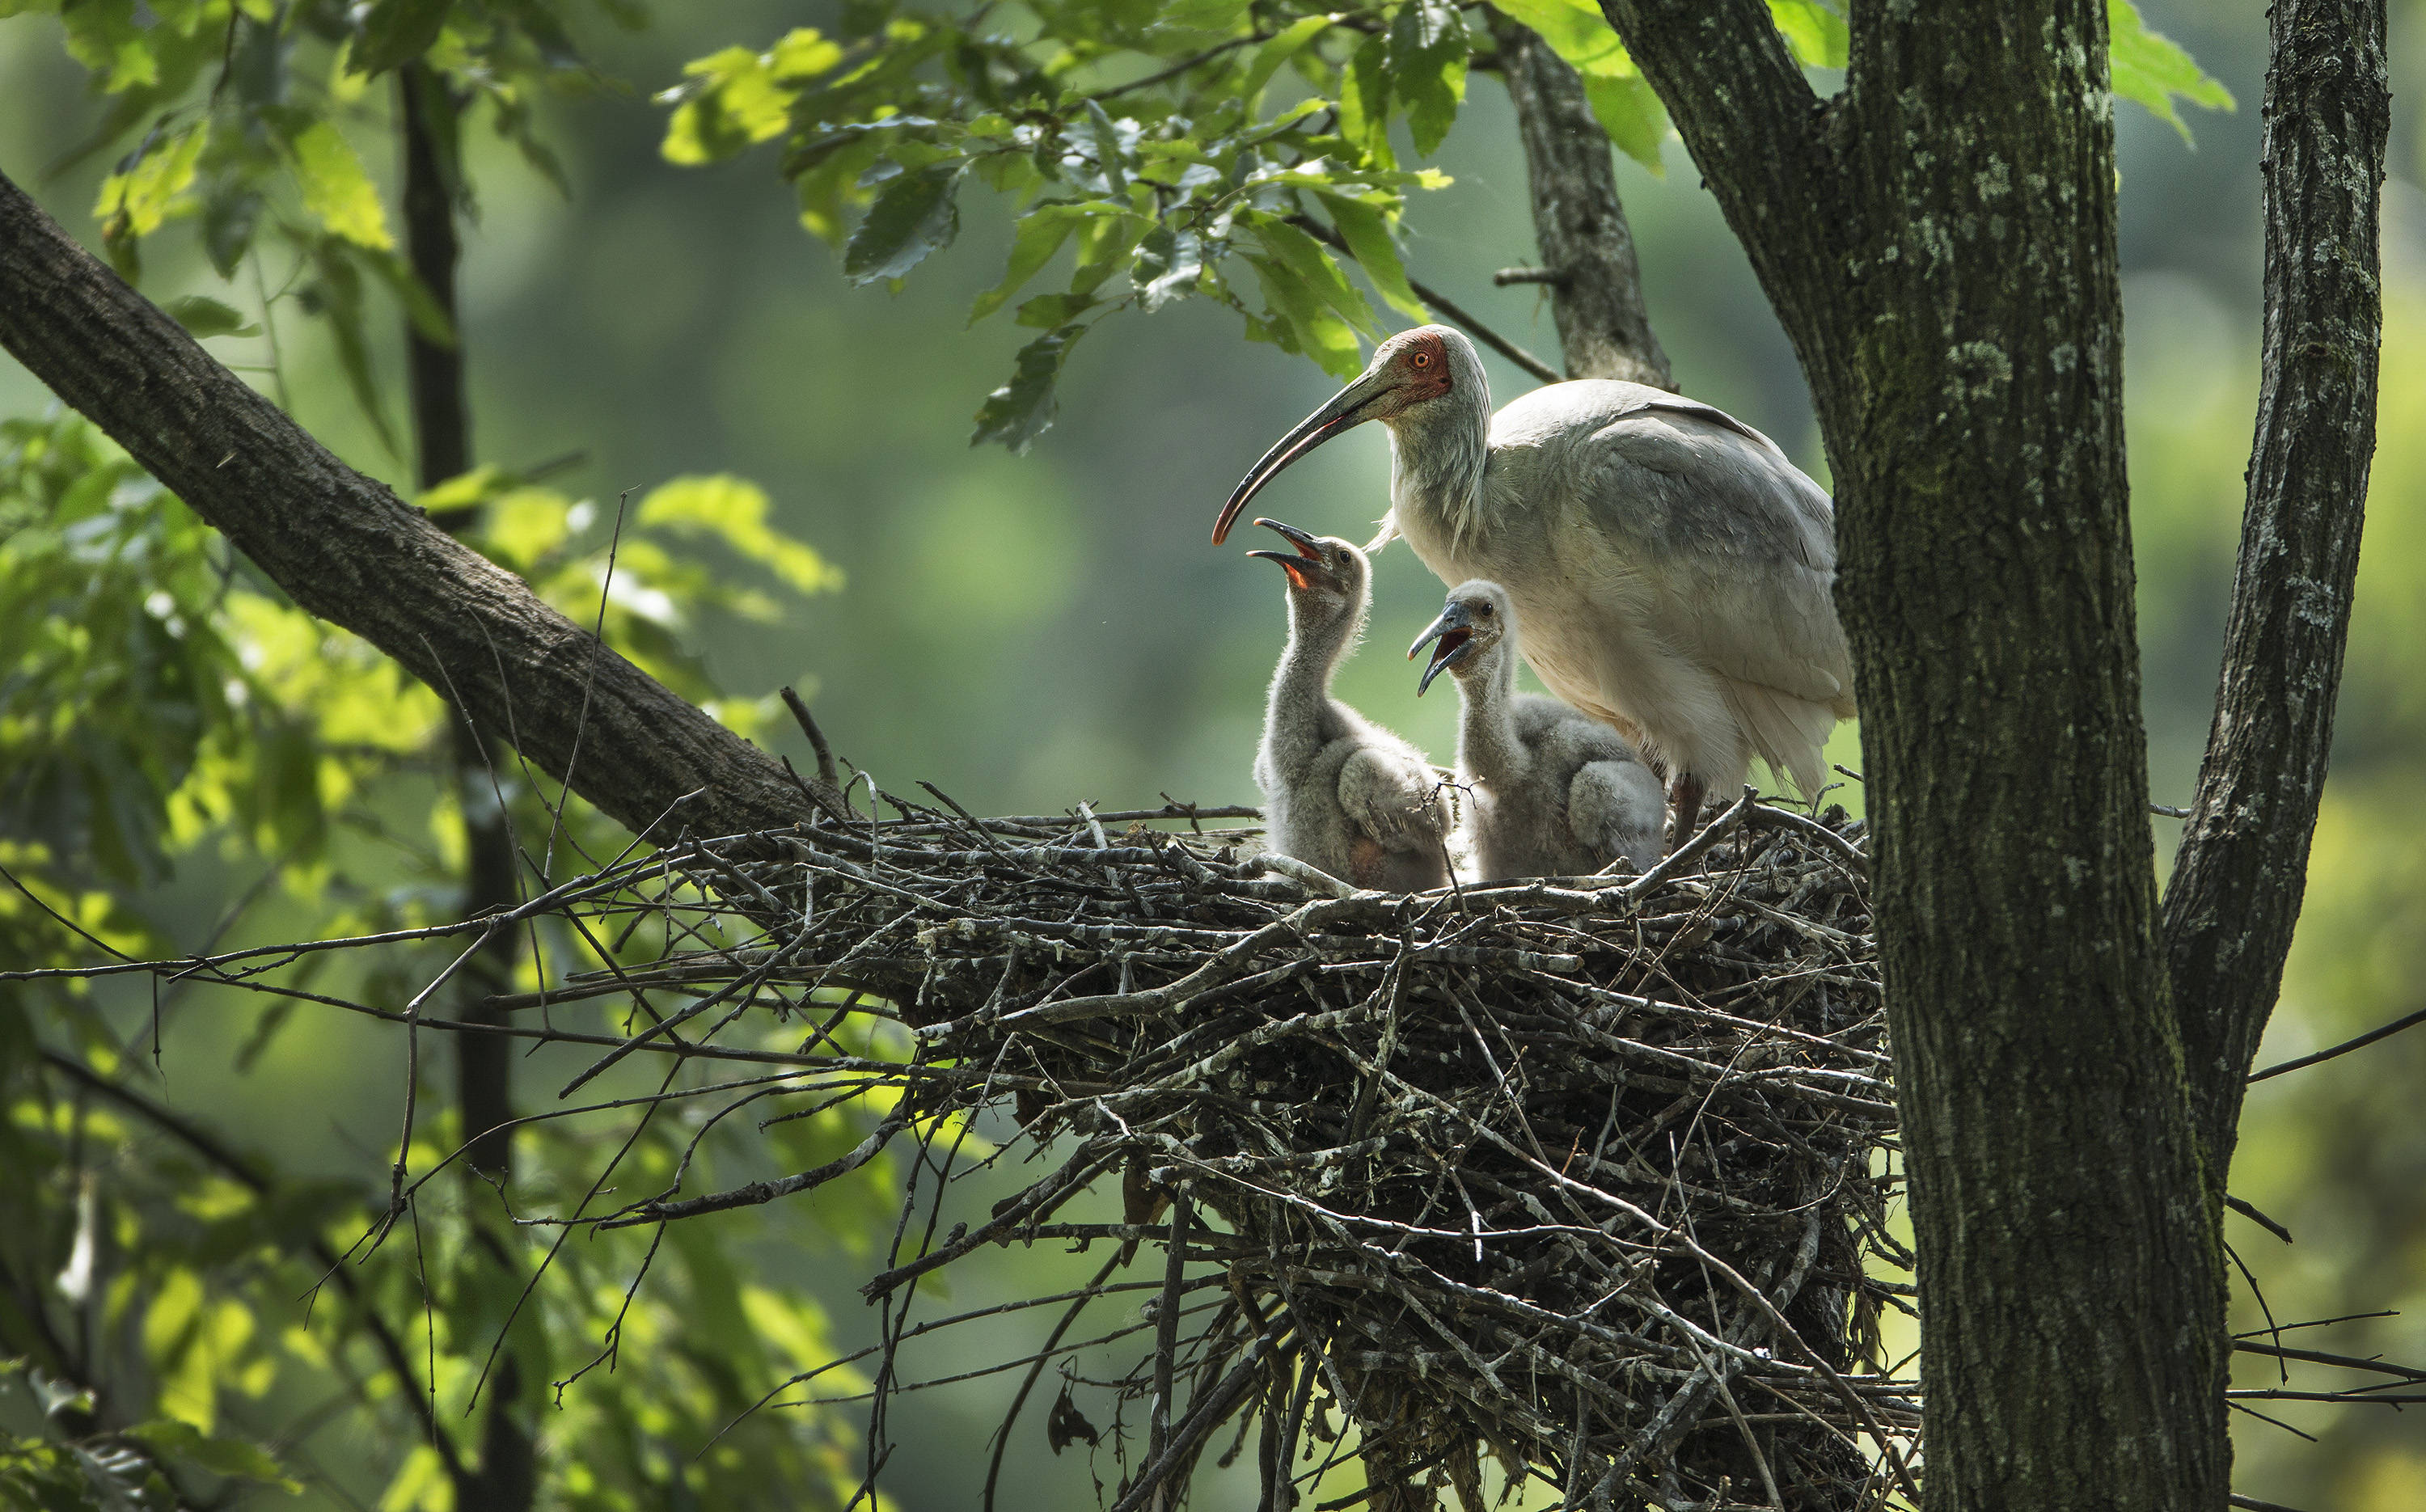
1552, 791
1341, 793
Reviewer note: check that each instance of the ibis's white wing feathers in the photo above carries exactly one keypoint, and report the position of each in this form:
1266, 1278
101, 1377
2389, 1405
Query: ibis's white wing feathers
1731, 549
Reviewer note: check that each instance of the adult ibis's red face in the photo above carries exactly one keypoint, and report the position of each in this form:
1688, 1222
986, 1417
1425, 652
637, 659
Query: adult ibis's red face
1407, 370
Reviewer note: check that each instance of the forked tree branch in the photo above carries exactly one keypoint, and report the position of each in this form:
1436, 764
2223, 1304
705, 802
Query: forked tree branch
348, 551
2240, 875
1578, 221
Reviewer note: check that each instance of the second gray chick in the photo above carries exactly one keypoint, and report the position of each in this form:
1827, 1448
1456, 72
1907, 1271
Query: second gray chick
1553, 792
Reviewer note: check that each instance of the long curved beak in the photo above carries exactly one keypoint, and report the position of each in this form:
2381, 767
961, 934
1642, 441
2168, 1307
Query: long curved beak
1449, 632
1348, 408
1307, 560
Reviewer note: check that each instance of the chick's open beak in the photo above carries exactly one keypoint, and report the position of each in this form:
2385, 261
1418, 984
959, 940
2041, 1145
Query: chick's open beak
1351, 406
1305, 565
1448, 634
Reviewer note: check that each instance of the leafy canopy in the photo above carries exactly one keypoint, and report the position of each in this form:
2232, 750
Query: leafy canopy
1245, 152
165, 712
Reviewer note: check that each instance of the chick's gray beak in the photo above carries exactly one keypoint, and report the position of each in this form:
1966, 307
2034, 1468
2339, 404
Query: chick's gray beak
1303, 564
1351, 406
1448, 634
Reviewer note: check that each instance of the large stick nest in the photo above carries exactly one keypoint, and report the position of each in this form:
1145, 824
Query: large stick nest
1586, 1176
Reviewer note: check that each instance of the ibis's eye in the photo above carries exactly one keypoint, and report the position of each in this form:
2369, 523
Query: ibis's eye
1488, 611
1421, 359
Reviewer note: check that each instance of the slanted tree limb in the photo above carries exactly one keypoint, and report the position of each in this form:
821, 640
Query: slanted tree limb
2242, 867
1578, 221
345, 547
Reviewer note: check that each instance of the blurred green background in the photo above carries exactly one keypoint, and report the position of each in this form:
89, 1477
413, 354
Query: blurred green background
1030, 632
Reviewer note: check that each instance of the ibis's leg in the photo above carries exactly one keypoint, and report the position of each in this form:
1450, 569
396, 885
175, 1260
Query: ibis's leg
1685, 793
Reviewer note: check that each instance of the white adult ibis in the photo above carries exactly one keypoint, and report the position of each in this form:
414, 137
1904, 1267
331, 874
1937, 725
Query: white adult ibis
1341, 793
1670, 567
1551, 791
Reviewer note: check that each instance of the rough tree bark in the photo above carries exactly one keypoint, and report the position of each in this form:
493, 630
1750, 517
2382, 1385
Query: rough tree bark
1939, 243
2243, 868
348, 550
1579, 222
506, 1478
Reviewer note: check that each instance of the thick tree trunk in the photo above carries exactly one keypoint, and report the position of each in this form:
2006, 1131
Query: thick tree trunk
348, 551
2243, 864
2071, 1278
1578, 221
1939, 242
506, 1478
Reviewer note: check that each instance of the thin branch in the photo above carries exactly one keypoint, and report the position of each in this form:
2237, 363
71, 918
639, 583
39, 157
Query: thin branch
2246, 1210
757, 1193
1441, 302
2317, 1357
816, 737
2388, 1031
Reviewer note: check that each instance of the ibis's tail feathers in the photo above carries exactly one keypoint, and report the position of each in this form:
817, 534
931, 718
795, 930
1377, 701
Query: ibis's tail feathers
1791, 734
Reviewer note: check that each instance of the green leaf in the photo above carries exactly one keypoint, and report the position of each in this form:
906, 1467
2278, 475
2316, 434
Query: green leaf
917, 215
336, 292
1020, 411
1169, 265
736, 98
1427, 65
397, 31
421, 307
1303, 324
149, 185
1108, 149
1047, 310
1222, 16
469, 491
1632, 115
1104, 247
1313, 267
1367, 231
2152, 69
1285, 43
229, 215
104, 36
1039, 234
1814, 29
205, 316
336, 192
1576, 31
1364, 100
221, 1456
735, 510
804, 55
